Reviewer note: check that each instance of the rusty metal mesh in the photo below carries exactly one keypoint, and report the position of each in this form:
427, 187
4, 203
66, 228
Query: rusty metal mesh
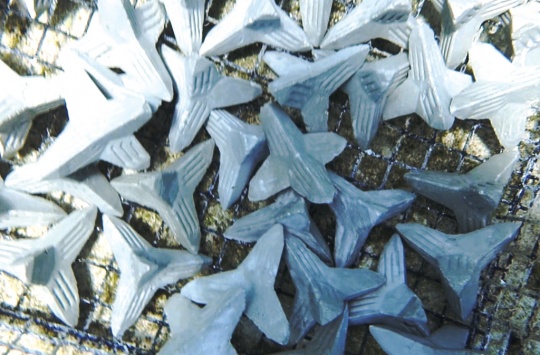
506, 319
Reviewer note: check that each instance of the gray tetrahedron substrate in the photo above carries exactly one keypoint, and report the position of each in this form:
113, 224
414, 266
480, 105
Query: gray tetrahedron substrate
46, 262
394, 304
322, 291
170, 192
296, 160
357, 212
472, 196
207, 330
143, 269
459, 258
256, 276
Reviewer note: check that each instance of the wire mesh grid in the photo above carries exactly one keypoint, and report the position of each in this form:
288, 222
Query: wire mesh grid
506, 319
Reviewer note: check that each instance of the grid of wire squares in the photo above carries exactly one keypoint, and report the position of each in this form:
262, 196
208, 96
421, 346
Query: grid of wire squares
506, 319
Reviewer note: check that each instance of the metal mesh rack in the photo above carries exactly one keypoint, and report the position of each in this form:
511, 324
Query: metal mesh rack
506, 319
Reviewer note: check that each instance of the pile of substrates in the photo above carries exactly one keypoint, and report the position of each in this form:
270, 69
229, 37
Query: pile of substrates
307, 177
